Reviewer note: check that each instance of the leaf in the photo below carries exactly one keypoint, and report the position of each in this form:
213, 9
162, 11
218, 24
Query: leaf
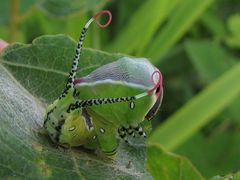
235, 176
169, 166
211, 60
25, 152
141, 26
233, 25
198, 111
215, 25
206, 152
42, 67
60, 8
183, 18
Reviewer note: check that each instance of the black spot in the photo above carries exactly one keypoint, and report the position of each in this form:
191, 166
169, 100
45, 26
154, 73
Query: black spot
84, 104
158, 89
132, 98
57, 138
124, 129
58, 128
94, 101
136, 128
89, 103
130, 133
122, 135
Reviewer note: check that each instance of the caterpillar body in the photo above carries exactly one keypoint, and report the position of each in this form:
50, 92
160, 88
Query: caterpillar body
113, 99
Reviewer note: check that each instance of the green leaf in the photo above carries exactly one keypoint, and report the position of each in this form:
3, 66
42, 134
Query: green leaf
62, 8
233, 40
215, 25
25, 152
235, 176
141, 26
43, 66
211, 60
169, 166
198, 111
186, 14
234, 24
206, 152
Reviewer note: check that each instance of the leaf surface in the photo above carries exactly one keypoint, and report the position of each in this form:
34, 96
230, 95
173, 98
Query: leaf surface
169, 166
27, 153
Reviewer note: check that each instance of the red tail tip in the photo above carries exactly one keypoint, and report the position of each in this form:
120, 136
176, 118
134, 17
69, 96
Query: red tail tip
158, 84
99, 14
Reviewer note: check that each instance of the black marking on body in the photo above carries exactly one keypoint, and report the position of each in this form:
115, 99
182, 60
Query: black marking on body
58, 129
76, 93
87, 118
48, 114
153, 111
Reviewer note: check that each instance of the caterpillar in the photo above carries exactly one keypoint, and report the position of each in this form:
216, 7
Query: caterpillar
111, 101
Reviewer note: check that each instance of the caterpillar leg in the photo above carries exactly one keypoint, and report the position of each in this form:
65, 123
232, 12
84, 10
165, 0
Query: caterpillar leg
123, 134
105, 134
107, 140
130, 131
140, 131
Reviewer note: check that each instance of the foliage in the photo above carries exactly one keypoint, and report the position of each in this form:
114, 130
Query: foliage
194, 43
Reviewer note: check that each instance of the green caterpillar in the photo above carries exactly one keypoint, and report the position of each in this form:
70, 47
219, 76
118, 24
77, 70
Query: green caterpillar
113, 99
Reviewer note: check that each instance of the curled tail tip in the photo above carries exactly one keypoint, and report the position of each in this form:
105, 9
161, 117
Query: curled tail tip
107, 12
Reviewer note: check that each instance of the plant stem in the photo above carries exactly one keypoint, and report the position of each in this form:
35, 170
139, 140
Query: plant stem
14, 7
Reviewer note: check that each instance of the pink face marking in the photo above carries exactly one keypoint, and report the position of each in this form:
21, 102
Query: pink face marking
78, 81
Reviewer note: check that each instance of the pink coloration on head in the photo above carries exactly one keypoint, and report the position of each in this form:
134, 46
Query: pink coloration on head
99, 14
3, 45
158, 84
78, 81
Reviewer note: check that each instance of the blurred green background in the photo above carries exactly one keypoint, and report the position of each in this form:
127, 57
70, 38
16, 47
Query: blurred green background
193, 42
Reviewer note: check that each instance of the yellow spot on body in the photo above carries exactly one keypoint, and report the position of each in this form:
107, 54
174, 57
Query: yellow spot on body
37, 147
44, 168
